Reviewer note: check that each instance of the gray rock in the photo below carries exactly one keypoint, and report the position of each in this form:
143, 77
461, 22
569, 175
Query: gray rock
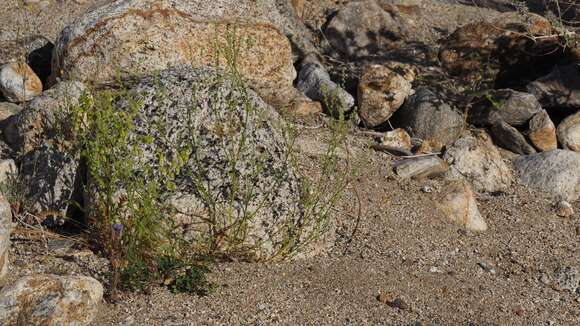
198, 108
542, 132
5, 229
475, 159
510, 138
567, 278
560, 88
315, 82
569, 132
421, 167
40, 120
515, 108
555, 173
51, 177
50, 300
426, 116
364, 28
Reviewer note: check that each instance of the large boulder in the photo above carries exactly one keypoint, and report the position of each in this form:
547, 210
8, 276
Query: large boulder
135, 38
364, 28
426, 116
235, 153
50, 300
477, 160
555, 173
5, 228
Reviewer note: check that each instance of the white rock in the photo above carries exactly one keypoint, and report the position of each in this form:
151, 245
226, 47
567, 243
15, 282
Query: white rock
7, 168
475, 159
50, 300
555, 173
18, 83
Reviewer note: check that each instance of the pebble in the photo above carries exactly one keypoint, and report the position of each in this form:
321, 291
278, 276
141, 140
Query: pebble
564, 209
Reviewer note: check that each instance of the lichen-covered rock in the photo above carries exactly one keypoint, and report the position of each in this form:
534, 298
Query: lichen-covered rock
51, 176
477, 160
29, 128
555, 173
381, 92
397, 138
18, 83
211, 116
50, 300
426, 116
458, 203
5, 228
135, 38
542, 132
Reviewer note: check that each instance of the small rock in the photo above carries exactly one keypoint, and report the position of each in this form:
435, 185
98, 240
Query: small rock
566, 278
50, 300
434, 269
569, 132
560, 88
510, 138
426, 116
427, 189
397, 138
556, 173
398, 303
421, 167
564, 209
315, 82
515, 108
5, 229
542, 132
381, 92
475, 159
457, 202
18, 83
